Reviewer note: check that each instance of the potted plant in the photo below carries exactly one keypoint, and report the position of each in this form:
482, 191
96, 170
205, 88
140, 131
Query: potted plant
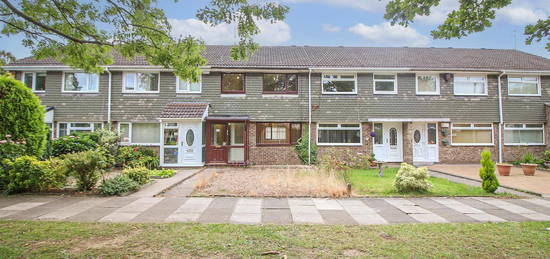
504, 169
528, 164
546, 158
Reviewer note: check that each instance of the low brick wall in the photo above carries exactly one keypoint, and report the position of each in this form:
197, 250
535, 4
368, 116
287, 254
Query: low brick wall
270, 155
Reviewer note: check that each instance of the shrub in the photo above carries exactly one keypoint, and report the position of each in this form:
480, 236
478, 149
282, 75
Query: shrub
55, 174
135, 156
26, 173
87, 167
139, 175
487, 172
118, 185
11, 150
22, 116
302, 148
72, 144
412, 179
163, 173
336, 159
149, 162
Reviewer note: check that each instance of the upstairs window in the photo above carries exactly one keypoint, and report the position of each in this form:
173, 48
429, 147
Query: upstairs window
385, 84
233, 83
339, 134
524, 134
427, 84
68, 128
35, 81
280, 84
470, 85
81, 82
339, 83
526, 85
141, 82
283, 133
184, 86
466, 134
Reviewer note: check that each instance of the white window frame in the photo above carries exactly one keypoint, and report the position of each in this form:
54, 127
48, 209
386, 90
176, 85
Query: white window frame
63, 82
91, 128
135, 86
33, 86
339, 127
525, 129
188, 91
472, 127
338, 78
374, 80
131, 143
539, 92
486, 93
437, 84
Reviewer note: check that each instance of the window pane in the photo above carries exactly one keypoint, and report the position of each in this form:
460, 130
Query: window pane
383, 86
384, 77
513, 126
40, 82
195, 87
378, 131
147, 82
340, 136
218, 134
154, 82
124, 131
296, 132
523, 137
237, 133
62, 129
427, 84
432, 133
273, 133
292, 83
485, 125
130, 81
350, 125
274, 82
98, 126
523, 88
233, 82
236, 154
328, 125
533, 125
145, 133
338, 86
472, 136
171, 137
93, 83
469, 87
80, 125
28, 79
171, 155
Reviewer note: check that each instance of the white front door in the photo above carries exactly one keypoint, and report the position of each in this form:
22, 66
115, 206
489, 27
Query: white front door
182, 144
388, 142
424, 142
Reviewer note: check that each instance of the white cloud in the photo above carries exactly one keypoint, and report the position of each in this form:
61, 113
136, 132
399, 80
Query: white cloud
271, 33
520, 15
438, 14
390, 35
367, 5
330, 28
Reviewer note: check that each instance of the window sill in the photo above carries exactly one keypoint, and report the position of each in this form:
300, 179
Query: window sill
274, 145
473, 145
428, 94
385, 93
140, 144
475, 95
233, 95
279, 95
328, 93
139, 94
523, 144
340, 145
525, 95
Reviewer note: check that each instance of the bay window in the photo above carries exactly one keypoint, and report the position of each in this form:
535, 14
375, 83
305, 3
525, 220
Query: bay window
526, 85
140, 82
427, 84
339, 84
339, 134
69, 128
280, 84
139, 133
278, 133
470, 134
233, 83
385, 84
185, 86
80, 82
470, 85
35, 81
524, 134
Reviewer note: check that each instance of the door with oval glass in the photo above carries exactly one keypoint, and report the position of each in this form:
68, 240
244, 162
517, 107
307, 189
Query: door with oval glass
424, 142
182, 144
388, 141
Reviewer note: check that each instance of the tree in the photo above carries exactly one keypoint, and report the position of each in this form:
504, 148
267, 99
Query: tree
470, 17
487, 172
5, 58
84, 33
22, 116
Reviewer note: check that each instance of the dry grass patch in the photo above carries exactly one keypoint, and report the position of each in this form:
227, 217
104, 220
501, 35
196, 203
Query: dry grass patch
270, 183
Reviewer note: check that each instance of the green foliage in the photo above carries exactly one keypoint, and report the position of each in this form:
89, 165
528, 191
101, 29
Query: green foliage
73, 31
162, 173
5, 58
22, 116
87, 167
537, 32
302, 148
11, 150
139, 175
72, 144
26, 173
136, 156
546, 155
487, 172
344, 159
412, 179
118, 185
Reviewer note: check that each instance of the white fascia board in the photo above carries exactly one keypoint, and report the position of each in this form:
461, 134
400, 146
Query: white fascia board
409, 120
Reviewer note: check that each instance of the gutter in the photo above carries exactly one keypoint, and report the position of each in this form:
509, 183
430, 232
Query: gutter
109, 96
309, 119
501, 116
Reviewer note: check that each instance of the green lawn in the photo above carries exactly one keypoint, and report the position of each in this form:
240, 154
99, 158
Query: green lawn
26, 239
367, 182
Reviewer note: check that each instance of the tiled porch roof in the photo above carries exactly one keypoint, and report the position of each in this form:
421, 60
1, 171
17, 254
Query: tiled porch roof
181, 110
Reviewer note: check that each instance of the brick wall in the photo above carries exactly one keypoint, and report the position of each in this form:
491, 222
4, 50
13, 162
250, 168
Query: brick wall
366, 148
464, 154
270, 155
407, 142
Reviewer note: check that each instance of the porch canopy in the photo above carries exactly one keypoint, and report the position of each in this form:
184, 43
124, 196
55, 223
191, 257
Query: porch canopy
184, 110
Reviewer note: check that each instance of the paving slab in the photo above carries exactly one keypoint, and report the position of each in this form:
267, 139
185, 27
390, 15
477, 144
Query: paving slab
37, 211
190, 211
445, 212
247, 211
304, 211
274, 203
387, 211
279, 216
130, 211
161, 210
327, 204
74, 209
337, 217
160, 185
219, 211
361, 213
510, 207
102, 210
468, 211
495, 211
539, 202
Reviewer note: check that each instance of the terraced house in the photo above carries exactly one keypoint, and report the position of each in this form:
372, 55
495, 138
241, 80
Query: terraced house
421, 105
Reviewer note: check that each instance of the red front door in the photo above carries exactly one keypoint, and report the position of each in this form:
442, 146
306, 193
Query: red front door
226, 142
217, 150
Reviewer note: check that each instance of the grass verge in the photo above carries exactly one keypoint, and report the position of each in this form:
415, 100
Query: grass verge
368, 183
32, 239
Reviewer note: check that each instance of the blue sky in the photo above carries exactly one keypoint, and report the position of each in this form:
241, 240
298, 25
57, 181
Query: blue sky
353, 23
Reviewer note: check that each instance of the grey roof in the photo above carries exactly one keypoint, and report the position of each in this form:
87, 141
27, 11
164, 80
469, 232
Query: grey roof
356, 57
181, 110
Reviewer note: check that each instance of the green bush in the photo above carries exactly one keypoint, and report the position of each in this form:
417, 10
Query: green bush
136, 156
149, 162
139, 175
11, 150
162, 173
87, 167
55, 174
412, 179
338, 159
26, 173
22, 116
302, 148
72, 144
118, 185
487, 172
